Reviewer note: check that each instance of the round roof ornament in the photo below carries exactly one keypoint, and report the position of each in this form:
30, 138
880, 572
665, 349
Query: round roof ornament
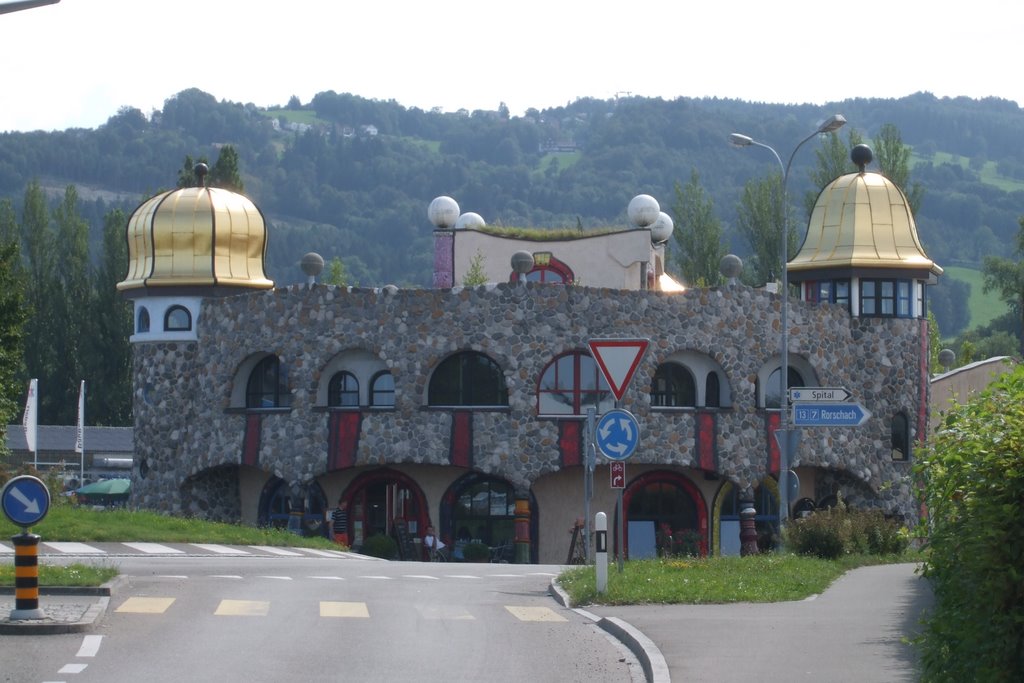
643, 210
443, 212
946, 358
730, 266
312, 264
522, 262
661, 228
861, 156
470, 221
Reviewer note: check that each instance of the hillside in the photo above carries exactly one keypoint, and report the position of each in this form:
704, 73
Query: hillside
352, 178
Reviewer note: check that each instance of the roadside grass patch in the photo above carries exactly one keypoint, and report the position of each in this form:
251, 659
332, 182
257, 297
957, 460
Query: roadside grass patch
768, 577
59, 575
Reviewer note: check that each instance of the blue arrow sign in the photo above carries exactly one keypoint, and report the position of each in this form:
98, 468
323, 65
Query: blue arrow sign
618, 433
829, 415
26, 500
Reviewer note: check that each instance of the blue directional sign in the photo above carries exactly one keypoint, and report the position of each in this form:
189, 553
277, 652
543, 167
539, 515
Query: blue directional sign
26, 500
829, 415
618, 433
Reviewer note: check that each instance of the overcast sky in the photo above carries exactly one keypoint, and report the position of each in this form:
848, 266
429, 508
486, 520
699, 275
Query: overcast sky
74, 64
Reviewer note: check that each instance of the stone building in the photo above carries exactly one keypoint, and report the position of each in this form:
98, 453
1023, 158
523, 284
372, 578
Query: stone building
465, 407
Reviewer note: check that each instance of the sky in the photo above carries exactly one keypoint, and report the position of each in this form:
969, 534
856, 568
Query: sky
74, 64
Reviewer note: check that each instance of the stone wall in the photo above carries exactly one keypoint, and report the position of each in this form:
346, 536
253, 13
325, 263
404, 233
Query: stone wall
186, 423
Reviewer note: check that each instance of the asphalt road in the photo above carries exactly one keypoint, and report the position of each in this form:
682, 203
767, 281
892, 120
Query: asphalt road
206, 616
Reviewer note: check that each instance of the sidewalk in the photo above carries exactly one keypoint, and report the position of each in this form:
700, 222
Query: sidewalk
854, 631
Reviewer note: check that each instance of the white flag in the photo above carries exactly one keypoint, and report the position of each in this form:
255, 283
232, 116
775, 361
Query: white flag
80, 432
29, 421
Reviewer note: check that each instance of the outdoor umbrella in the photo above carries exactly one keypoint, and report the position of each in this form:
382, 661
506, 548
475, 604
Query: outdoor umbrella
105, 492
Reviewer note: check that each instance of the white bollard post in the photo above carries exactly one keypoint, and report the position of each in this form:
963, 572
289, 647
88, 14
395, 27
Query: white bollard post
601, 546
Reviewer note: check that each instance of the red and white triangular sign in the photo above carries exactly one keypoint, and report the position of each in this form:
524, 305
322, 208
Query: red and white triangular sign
618, 360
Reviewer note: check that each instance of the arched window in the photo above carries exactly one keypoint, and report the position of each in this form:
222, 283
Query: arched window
900, 435
548, 269
268, 385
467, 379
382, 389
712, 391
142, 325
571, 383
343, 390
771, 387
673, 387
177, 319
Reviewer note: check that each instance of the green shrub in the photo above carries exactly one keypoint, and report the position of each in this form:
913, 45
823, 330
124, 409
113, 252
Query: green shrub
380, 545
476, 552
973, 475
841, 531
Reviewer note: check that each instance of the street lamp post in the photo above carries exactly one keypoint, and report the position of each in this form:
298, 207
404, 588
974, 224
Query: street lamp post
832, 123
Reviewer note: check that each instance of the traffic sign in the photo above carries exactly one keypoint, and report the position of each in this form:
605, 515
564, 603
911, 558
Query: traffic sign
618, 433
829, 415
618, 359
818, 394
618, 474
26, 500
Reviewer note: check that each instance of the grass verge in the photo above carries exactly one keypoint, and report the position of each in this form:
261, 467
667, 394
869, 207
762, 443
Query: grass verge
695, 581
70, 575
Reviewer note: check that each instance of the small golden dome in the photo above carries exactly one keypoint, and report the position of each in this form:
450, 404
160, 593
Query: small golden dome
196, 237
862, 220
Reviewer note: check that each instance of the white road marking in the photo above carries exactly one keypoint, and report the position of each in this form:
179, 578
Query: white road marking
461, 576
74, 548
90, 646
220, 549
276, 551
322, 553
72, 668
155, 549
328, 578
278, 578
380, 578
421, 576
225, 576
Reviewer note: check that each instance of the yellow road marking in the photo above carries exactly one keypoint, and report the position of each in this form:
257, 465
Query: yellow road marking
355, 610
145, 605
534, 613
242, 608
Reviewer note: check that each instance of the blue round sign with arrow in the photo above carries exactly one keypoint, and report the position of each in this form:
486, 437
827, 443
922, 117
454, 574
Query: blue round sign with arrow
26, 500
618, 434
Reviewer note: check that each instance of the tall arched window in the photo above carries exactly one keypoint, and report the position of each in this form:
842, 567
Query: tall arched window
467, 379
712, 391
771, 387
268, 385
177, 319
142, 325
900, 436
571, 383
343, 390
673, 387
382, 389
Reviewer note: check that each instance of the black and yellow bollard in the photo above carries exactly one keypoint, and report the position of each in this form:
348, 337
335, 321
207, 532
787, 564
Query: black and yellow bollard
26, 578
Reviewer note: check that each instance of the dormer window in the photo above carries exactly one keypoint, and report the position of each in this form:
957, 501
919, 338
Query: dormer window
177, 319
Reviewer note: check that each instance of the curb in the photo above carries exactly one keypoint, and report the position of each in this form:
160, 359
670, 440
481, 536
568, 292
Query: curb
70, 624
647, 653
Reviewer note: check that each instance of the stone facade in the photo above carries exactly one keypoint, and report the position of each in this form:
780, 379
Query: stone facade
192, 425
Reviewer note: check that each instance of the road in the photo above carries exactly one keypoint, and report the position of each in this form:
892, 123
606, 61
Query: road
202, 615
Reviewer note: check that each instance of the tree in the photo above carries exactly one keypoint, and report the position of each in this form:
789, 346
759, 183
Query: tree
1007, 277
225, 173
833, 160
698, 235
336, 274
759, 220
893, 159
476, 275
73, 308
108, 356
12, 319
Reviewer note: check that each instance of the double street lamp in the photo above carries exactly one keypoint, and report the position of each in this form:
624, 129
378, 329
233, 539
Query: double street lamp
783, 435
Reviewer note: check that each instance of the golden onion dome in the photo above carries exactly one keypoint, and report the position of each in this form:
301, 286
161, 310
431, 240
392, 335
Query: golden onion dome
196, 237
862, 221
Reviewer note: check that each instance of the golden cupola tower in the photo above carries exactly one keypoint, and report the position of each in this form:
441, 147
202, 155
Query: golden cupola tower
186, 244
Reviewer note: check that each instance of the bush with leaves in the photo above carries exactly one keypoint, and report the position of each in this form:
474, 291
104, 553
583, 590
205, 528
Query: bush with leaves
380, 545
973, 476
842, 530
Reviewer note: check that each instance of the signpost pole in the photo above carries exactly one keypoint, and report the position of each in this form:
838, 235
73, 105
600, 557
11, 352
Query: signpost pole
589, 457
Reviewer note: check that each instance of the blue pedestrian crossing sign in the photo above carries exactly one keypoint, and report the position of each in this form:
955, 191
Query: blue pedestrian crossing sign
618, 433
26, 500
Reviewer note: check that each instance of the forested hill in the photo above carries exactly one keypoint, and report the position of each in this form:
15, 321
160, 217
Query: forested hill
350, 177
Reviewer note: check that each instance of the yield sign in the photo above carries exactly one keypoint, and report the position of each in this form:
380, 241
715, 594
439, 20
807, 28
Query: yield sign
618, 360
